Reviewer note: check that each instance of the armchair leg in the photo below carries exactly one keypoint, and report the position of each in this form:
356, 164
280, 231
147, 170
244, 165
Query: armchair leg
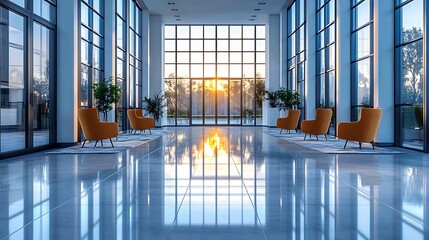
83, 145
305, 136
150, 132
326, 137
360, 145
111, 142
317, 138
135, 131
372, 143
96, 143
101, 142
288, 131
281, 131
345, 144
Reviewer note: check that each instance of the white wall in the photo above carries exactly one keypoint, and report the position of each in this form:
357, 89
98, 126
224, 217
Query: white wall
273, 67
343, 58
67, 70
145, 53
384, 76
156, 72
310, 73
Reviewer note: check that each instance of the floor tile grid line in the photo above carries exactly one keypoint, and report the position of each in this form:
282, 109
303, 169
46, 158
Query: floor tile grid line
98, 183
376, 199
250, 199
180, 205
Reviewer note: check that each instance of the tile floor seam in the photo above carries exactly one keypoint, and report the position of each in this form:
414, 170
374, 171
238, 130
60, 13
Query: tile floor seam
180, 205
250, 199
86, 190
385, 204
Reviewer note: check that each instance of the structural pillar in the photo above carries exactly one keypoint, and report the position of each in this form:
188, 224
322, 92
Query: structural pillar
384, 77
343, 61
68, 70
273, 66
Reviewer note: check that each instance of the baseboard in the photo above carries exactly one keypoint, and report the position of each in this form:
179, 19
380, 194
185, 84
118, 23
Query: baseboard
384, 144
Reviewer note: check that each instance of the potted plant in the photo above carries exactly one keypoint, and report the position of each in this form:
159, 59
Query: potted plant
272, 98
105, 94
287, 99
155, 106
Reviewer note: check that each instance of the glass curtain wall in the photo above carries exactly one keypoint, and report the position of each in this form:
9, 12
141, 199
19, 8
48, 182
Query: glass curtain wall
325, 57
362, 56
296, 50
28, 81
214, 74
92, 48
128, 55
409, 60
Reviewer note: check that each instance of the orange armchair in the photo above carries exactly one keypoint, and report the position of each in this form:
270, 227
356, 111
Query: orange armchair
363, 130
138, 121
93, 129
290, 122
318, 126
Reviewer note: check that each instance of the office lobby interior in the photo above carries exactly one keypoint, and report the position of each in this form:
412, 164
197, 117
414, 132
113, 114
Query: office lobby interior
216, 164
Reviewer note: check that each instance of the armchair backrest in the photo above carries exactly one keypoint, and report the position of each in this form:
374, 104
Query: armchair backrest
323, 118
88, 118
132, 117
293, 116
369, 121
138, 112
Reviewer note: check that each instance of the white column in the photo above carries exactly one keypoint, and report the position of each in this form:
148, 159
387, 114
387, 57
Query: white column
283, 47
273, 67
343, 58
156, 73
68, 70
384, 78
110, 45
146, 53
310, 77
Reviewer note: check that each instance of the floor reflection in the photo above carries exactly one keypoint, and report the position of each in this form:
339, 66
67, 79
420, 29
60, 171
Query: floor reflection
213, 183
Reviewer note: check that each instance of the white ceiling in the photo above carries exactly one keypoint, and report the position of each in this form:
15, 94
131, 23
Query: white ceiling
214, 11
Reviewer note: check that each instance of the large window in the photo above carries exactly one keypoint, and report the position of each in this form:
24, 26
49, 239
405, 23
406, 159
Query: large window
28, 75
296, 49
128, 57
362, 56
325, 57
409, 63
214, 74
92, 48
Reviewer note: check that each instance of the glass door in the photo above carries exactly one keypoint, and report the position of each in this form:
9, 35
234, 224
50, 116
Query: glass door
26, 83
216, 101
13, 115
41, 84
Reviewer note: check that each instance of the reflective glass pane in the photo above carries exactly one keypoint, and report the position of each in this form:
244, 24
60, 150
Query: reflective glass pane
412, 20
183, 101
363, 82
13, 116
412, 73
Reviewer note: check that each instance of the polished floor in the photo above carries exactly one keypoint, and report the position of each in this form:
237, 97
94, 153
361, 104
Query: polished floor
215, 183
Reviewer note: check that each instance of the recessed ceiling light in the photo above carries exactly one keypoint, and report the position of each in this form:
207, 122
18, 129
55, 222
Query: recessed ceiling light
261, 3
257, 9
174, 9
171, 3
253, 16
176, 16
